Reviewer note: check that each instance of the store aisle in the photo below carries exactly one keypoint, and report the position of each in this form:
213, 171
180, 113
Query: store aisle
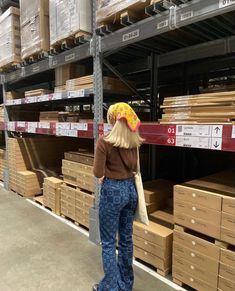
40, 253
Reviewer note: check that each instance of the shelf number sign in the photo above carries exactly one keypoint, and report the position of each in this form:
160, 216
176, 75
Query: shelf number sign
224, 3
171, 130
171, 141
131, 35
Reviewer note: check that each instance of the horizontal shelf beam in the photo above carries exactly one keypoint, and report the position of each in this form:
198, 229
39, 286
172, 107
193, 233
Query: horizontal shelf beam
185, 14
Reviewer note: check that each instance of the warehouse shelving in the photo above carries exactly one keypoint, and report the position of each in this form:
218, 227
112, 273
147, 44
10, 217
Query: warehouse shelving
152, 45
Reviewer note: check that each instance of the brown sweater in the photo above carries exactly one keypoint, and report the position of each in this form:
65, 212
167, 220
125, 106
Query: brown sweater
114, 163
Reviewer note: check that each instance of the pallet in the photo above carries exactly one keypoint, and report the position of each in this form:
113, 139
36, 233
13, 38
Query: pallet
217, 242
70, 184
12, 66
69, 42
81, 225
126, 17
34, 58
159, 271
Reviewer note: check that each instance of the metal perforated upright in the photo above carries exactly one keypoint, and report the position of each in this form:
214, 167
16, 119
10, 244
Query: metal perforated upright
98, 118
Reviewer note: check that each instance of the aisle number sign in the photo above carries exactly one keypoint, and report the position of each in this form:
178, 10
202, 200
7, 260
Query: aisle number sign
224, 3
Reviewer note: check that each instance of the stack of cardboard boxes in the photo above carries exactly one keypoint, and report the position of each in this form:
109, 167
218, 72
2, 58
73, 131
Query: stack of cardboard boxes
10, 43
207, 207
51, 193
153, 245
2, 163
76, 193
227, 270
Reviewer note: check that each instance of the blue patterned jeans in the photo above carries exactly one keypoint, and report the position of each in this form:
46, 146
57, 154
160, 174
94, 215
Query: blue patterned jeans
118, 202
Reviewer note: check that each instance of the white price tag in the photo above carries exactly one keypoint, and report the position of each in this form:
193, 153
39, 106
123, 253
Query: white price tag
32, 126
11, 126
20, 123
79, 126
216, 143
233, 131
43, 98
72, 133
62, 125
57, 96
186, 15
76, 94
217, 131
31, 99
10, 102
224, 3
62, 132
163, 24
131, 35
44, 125
17, 101
193, 142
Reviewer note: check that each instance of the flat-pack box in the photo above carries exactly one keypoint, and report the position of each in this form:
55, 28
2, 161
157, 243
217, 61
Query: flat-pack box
227, 272
196, 258
226, 285
10, 43
34, 20
68, 18
197, 244
190, 280
83, 157
227, 257
227, 235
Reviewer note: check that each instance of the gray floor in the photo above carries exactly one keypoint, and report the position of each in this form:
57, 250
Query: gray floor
39, 252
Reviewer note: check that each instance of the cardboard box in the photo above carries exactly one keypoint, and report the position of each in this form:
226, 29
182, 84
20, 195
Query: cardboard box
227, 272
227, 257
68, 18
228, 221
201, 197
84, 157
197, 244
68, 209
158, 191
195, 271
229, 205
78, 167
34, 27
154, 233
10, 44
226, 285
197, 211
228, 235
164, 265
196, 258
152, 248
191, 281
202, 226
64, 73
85, 197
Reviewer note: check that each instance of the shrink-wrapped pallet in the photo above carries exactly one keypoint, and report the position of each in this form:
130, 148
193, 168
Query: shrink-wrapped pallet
110, 10
34, 27
68, 18
10, 37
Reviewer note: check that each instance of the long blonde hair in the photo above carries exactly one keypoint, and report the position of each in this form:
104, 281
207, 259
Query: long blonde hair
121, 136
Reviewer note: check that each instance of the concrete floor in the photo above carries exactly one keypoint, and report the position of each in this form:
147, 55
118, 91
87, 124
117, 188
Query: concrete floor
41, 253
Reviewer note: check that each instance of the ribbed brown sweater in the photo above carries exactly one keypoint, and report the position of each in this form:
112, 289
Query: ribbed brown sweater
114, 163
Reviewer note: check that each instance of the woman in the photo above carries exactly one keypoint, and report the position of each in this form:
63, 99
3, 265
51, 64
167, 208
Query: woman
115, 164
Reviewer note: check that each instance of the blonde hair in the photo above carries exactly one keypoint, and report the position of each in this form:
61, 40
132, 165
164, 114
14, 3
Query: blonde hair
121, 136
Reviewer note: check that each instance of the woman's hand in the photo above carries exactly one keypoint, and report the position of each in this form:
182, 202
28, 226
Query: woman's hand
101, 180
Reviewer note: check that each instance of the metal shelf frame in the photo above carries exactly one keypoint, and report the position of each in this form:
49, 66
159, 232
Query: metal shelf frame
173, 18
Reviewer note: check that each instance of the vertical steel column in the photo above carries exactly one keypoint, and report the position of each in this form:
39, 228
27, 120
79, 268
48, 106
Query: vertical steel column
6, 119
154, 110
94, 235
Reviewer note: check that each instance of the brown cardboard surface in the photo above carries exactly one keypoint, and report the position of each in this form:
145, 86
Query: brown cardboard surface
157, 191
78, 167
201, 197
202, 226
227, 272
197, 244
154, 233
196, 258
197, 211
149, 258
228, 235
191, 281
226, 285
195, 271
227, 257
152, 248
228, 221
229, 205
86, 158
